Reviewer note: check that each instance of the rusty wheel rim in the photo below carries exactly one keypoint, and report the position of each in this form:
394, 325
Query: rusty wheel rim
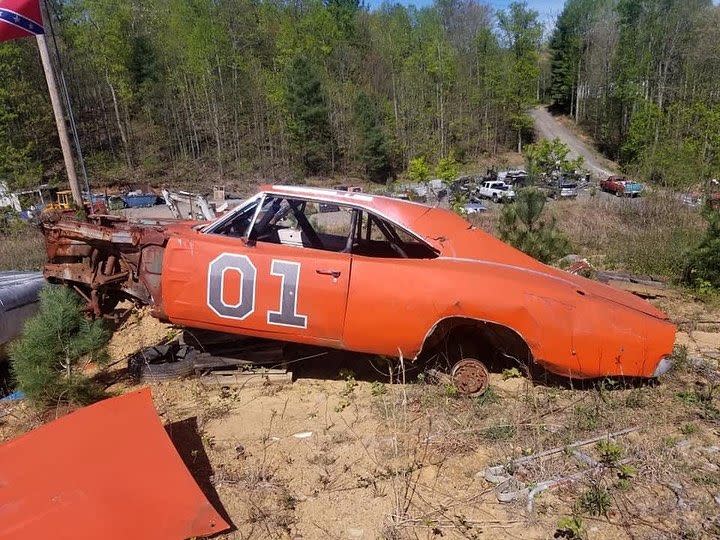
470, 377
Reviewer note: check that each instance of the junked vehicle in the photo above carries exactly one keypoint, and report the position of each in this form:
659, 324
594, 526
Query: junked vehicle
380, 276
563, 188
514, 177
497, 190
473, 207
621, 186
18, 301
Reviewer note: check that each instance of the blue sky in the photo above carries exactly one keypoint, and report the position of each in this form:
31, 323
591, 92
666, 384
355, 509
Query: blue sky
548, 9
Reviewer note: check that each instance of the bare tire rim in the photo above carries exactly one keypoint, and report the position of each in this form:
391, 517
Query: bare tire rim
470, 377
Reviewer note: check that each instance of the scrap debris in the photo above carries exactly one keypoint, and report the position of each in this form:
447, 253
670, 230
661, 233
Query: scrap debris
646, 287
106, 471
217, 359
510, 488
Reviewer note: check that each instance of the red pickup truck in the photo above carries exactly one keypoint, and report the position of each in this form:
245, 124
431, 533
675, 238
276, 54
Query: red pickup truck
621, 186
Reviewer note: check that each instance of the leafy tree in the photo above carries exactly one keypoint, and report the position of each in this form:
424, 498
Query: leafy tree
547, 156
418, 169
308, 121
25, 120
261, 87
522, 225
447, 168
344, 12
373, 149
567, 45
522, 32
56, 344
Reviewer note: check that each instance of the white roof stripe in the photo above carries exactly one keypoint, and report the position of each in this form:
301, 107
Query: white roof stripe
319, 191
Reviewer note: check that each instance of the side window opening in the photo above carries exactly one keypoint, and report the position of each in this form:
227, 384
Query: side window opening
304, 224
376, 237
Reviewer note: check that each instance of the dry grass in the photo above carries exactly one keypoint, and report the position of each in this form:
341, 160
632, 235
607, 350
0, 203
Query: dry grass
649, 235
657, 481
22, 249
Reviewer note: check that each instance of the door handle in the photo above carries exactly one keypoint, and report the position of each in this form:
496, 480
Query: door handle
334, 273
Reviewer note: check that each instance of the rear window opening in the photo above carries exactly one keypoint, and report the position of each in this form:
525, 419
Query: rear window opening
376, 237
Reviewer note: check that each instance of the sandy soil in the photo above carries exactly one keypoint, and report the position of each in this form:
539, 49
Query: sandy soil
338, 456
340, 453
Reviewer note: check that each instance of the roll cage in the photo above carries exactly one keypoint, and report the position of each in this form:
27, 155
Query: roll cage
369, 233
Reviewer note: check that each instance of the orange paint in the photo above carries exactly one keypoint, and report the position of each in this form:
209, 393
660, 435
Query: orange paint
261, 272
572, 325
106, 471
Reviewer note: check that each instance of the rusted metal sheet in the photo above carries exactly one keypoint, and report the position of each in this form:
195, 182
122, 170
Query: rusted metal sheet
107, 471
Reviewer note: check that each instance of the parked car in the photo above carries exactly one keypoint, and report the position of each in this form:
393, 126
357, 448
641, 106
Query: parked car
390, 277
474, 208
497, 190
563, 188
621, 186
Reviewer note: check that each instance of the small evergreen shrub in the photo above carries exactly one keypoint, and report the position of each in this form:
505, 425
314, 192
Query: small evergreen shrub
56, 344
522, 225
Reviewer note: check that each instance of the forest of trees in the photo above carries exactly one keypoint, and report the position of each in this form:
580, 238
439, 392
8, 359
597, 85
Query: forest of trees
643, 76
234, 88
231, 89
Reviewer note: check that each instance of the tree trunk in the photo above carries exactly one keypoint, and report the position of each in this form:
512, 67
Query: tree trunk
119, 122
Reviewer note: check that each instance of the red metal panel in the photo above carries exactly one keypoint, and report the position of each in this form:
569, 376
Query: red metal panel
107, 471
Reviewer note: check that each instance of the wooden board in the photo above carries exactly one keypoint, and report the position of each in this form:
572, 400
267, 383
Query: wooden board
245, 378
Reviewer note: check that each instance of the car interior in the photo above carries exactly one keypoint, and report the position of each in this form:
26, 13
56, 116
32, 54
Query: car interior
329, 227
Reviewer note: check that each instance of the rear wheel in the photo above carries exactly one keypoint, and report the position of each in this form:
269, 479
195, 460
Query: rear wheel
470, 377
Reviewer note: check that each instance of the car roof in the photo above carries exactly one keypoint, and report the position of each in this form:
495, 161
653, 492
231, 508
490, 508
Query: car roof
422, 220
401, 211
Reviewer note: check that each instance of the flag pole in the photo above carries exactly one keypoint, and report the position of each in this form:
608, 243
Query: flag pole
59, 119
68, 104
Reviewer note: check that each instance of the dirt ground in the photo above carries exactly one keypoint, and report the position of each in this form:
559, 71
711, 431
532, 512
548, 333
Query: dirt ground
345, 451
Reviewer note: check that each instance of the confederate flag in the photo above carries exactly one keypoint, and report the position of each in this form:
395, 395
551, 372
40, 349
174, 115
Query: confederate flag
20, 18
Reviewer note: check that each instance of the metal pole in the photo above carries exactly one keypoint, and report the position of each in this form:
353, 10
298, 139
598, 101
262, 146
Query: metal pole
68, 105
59, 120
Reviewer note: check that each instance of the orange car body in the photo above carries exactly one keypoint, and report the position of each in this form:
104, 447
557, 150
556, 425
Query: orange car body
389, 305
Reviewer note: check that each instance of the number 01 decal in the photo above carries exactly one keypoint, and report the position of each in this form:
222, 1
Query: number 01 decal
288, 271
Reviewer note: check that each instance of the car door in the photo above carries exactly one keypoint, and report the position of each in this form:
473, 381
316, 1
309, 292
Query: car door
261, 287
389, 309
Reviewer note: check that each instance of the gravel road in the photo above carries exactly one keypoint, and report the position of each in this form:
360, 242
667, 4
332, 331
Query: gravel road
549, 127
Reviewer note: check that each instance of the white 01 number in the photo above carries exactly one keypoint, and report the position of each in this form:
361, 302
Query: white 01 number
287, 271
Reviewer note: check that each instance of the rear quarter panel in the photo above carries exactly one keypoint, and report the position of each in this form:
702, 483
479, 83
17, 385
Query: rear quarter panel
394, 304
